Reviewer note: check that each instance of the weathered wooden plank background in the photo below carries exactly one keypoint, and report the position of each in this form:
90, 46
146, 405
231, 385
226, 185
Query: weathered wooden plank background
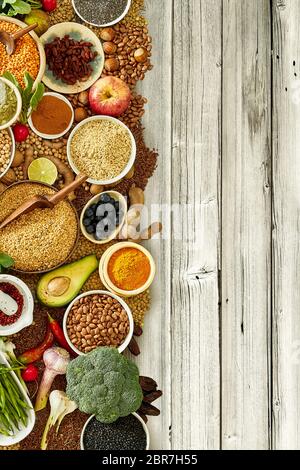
223, 336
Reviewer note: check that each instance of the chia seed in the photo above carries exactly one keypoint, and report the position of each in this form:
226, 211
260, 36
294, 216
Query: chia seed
100, 12
125, 434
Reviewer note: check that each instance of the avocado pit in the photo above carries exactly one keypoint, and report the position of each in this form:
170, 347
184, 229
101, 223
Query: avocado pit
58, 286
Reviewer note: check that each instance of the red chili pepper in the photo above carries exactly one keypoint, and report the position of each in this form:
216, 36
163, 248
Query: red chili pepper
59, 334
35, 354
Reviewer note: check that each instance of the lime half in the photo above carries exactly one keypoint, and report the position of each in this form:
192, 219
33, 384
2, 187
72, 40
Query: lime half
43, 170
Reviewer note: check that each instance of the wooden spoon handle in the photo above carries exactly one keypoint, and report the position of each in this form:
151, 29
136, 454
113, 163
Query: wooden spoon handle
63, 193
22, 32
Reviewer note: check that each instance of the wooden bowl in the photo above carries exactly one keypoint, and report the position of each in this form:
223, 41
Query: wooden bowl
77, 236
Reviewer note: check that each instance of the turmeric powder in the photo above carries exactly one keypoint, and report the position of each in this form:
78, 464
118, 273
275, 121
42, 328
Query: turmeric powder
129, 269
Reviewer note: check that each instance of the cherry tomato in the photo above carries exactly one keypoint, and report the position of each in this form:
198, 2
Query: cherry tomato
21, 132
49, 5
30, 374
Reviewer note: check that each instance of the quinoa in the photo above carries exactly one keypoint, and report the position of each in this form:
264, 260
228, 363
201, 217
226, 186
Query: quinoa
101, 149
42, 239
26, 57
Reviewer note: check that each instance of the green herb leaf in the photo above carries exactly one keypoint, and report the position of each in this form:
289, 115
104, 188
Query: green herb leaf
9, 76
6, 261
37, 96
28, 80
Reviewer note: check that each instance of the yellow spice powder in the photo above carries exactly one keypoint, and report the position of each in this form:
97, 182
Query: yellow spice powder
129, 269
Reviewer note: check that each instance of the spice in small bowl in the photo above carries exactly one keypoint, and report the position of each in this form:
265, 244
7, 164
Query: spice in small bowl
103, 148
7, 150
103, 12
10, 103
95, 319
127, 269
53, 117
127, 433
103, 217
16, 305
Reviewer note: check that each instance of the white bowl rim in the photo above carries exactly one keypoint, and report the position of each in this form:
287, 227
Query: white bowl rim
54, 136
131, 158
26, 317
116, 231
128, 338
13, 151
105, 25
136, 415
19, 104
104, 262
11, 440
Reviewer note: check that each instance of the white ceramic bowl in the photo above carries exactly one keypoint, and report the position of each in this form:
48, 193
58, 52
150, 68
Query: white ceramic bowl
131, 158
26, 317
54, 136
117, 20
19, 104
134, 414
6, 441
13, 150
103, 267
38, 44
125, 344
118, 197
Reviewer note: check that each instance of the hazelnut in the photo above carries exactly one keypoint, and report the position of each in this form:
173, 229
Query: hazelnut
109, 48
141, 55
107, 34
96, 189
112, 65
83, 97
80, 114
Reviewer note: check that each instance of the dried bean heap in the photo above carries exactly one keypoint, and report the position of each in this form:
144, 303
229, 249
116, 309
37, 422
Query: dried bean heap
97, 320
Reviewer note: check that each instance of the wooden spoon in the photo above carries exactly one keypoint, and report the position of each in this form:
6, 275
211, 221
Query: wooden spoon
44, 202
9, 40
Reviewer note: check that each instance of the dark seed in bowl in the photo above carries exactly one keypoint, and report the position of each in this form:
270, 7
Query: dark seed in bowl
125, 434
102, 11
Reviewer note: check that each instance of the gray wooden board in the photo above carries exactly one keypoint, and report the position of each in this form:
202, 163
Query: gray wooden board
223, 335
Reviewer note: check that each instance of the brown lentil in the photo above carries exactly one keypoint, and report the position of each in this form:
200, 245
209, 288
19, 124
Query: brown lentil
42, 239
63, 12
26, 57
5, 150
97, 320
101, 149
134, 15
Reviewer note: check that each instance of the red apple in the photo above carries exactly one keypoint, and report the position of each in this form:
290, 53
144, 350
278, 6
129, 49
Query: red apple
109, 96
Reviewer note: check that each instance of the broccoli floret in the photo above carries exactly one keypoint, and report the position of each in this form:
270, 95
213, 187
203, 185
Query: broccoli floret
104, 383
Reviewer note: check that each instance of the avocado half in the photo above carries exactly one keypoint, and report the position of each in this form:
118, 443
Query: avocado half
59, 287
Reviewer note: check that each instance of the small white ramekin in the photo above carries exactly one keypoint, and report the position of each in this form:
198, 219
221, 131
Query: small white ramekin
19, 104
129, 165
124, 345
105, 25
26, 317
118, 197
103, 269
54, 136
145, 427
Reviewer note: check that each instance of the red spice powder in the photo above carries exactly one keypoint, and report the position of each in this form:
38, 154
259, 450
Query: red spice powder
13, 292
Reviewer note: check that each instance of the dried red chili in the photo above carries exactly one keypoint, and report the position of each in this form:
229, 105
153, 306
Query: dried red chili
14, 293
